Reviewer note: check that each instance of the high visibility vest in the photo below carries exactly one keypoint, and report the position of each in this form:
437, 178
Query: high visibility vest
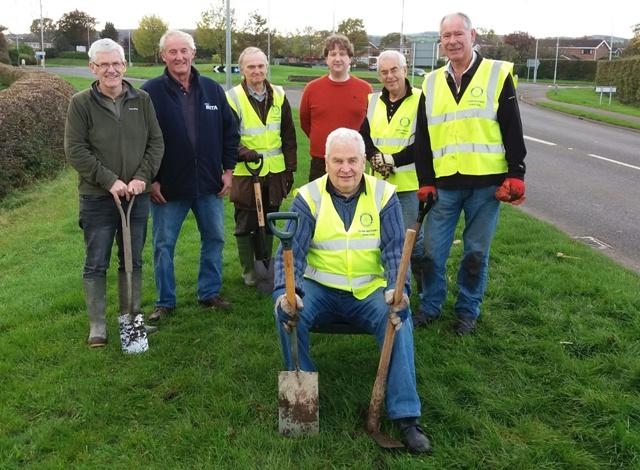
347, 260
393, 136
263, 138
465, 137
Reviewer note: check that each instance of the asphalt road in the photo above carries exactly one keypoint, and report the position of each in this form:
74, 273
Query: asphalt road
583, 177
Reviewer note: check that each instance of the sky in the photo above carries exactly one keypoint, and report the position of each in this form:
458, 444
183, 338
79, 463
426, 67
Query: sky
539, 18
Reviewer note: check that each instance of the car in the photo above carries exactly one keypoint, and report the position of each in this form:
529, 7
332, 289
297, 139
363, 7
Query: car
419, 72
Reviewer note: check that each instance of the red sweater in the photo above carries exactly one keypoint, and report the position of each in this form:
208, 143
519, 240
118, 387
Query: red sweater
327, 105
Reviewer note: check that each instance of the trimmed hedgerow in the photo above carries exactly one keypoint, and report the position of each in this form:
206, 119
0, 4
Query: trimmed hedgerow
32, 117
624, 74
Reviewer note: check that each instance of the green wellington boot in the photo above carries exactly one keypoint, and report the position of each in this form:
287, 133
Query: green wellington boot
245, 253
95, 294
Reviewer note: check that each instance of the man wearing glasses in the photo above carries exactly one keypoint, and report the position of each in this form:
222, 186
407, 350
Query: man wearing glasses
113, 140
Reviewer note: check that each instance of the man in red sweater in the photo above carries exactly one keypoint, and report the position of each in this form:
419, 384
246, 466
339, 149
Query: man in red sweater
335, 100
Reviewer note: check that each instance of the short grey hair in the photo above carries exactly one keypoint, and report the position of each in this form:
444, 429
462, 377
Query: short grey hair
181, 34
342, 134
252, 50
393, 54
465, 19
105, 45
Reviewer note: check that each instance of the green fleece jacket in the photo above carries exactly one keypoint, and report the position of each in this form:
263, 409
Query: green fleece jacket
103, 148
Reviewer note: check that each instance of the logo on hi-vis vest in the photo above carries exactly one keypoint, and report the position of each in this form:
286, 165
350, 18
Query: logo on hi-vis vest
210, 107
366, 219
405, 121
275, 110
477, 91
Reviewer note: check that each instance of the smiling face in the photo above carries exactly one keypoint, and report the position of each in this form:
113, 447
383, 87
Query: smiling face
457, 41
338, 61
109, 68
178, 55
345, 166
392, 75
254, 69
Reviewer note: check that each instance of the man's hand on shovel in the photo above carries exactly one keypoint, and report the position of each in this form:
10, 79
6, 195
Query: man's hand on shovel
399, 312
288, 314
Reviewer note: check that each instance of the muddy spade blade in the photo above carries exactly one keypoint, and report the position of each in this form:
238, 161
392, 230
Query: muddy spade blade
385, 441
298, 403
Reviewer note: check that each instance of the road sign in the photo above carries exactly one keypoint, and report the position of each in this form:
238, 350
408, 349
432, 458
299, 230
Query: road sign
605, 89
533, 63
222, 69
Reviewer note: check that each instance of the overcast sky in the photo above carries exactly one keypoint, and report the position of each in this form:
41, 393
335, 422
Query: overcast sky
540, 18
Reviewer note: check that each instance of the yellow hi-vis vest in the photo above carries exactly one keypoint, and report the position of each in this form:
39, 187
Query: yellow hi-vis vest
263, 138
392, 136
465, 137
347, 260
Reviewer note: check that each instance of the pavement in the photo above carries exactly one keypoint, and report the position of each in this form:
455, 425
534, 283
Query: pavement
536, 93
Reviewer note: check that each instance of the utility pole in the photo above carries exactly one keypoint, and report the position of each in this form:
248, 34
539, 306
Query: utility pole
402, 30
268, 40
228, 48
41, 34
129, 40
535, 66
555, 68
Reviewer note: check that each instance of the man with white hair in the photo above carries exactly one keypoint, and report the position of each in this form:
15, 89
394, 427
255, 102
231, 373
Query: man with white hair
201, 144
113, 140
347, 252
267, 132
394, 135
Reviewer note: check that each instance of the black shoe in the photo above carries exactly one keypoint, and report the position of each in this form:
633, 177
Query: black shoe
464, 325
160, 312
413, 436
421, 319
216, 303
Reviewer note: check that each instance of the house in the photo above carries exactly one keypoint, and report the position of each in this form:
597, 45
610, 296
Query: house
579, 49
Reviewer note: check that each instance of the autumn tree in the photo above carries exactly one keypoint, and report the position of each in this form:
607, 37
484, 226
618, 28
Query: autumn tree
254, 32
354, 29
4, 47
109, 31
523, 44
73, 29
48, 30
392, 41
634, 45
211, 30
147, 37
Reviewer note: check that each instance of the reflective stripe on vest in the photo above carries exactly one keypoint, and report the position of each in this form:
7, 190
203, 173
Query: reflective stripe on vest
388, 136
263, 138
465, 137
347, 260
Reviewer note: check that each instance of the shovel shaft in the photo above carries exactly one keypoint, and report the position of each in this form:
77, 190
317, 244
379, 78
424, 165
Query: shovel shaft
257, 191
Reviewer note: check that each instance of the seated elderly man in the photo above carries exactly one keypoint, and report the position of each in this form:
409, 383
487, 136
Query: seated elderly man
347, 251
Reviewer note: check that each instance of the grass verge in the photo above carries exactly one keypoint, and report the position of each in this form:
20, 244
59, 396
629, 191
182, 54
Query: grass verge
593, 115
588, 97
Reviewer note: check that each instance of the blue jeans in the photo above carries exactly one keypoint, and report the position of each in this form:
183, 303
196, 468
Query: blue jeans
326, 305
167, 222
409, 203
481, 210
100, 222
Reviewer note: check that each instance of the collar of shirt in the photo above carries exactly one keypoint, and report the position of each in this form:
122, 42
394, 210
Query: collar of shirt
449, 68
331, 189
257, 95
193, 76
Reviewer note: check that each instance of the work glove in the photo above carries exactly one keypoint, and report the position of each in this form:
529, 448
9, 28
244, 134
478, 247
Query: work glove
399, 312
511, 191
288, 176
383, 163
426, 192
287, 314
250, 156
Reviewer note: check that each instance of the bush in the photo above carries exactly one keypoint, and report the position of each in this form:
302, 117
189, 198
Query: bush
32, 116
581, 70
73, 55
624, 74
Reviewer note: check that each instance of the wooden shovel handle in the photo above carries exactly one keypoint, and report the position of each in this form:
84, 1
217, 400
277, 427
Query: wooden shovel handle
380, 384
259, 207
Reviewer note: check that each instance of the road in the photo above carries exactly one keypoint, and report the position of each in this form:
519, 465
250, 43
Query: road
582, 177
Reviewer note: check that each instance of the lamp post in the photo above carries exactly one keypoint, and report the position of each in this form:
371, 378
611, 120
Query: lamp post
555, 68
535, 66
41, 35
402, 29
228, 48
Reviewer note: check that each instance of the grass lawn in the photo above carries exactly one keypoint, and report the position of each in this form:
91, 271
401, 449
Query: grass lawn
550, 379
593, 115
588, 97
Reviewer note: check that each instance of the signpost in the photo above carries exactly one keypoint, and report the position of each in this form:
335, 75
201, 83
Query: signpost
533, 64
606, 89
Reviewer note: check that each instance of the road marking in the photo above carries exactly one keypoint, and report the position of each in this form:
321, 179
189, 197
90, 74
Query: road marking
614, 161
539, 140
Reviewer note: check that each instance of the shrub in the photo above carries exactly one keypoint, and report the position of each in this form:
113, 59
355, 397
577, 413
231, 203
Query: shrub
32, 117
624, 74
73, 55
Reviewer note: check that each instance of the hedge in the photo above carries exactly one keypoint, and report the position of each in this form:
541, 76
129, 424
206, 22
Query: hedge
583, 70
32, 116
624, 74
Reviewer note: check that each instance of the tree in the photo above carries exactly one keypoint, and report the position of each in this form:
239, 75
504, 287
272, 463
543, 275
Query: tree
634, 45
392, 41
73, 29
254, 32
49, 28
4, 47
353, 28
109, 31
147, 37
211, 30
523, 44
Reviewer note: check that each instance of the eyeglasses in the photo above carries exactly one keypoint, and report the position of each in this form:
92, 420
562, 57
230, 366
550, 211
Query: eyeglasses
105, 66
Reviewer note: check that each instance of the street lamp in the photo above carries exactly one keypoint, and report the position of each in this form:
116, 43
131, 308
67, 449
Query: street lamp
555, 68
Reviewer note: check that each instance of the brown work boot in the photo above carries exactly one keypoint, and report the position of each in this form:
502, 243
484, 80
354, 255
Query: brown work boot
160, 312
216, 303
413, 436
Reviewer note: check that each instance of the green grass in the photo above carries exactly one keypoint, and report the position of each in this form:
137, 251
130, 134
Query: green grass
593, 115
588, 97
550, 380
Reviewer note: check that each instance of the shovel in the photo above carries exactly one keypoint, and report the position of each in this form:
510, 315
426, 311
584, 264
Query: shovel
372, 425
297, 390
263, 266
133, 335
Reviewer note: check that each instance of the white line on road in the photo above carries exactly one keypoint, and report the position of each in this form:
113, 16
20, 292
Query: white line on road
539, 140
614, 161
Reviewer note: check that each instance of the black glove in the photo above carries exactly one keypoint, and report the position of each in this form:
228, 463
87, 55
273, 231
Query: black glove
250, 156
288, 175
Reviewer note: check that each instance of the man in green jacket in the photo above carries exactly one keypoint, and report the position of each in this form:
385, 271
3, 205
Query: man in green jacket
113, 140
